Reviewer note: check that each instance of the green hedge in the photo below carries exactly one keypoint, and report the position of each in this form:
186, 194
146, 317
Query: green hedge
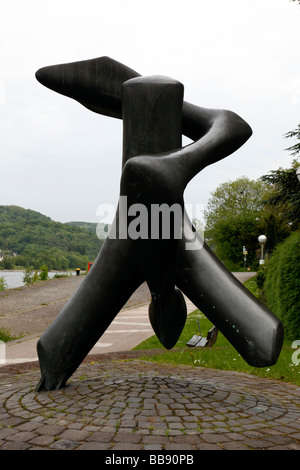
282, 285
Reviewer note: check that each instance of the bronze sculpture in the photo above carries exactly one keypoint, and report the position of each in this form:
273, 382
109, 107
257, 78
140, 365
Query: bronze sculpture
155, 172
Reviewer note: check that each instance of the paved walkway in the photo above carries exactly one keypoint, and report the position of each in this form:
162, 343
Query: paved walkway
43, 301
31, 309
118, 401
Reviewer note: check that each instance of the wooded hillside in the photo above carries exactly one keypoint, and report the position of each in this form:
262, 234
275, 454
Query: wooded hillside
28, 238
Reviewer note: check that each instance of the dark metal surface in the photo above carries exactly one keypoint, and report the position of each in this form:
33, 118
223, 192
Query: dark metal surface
156, 170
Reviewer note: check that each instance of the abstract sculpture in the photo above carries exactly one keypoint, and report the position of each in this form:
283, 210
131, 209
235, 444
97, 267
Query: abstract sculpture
155, 171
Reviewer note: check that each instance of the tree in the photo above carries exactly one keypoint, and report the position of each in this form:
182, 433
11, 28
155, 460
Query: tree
7, 262
234, 198
231, 236
294, 149
236, 216
284, 194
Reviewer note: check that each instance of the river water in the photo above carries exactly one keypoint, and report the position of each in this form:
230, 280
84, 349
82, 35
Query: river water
14, 279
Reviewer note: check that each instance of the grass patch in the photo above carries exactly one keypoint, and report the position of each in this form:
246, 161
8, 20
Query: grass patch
221, 356
252, 286
5, 336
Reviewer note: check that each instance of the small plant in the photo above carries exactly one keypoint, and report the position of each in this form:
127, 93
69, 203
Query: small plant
59, 275
5, 336
3, 284
35, 276
44, 273
28, 276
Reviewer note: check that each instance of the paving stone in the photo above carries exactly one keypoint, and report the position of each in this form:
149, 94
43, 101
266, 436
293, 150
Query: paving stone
64, 444
13, 421
21, 436
281, 440
214, 438
101, 436
74, 435
126, 446
155, 439
206, 446
179, 447
6, 432
188, 439
94, 446
127, 437
234, 436
15, 446
44, 440
153, 447
257, 443
234, 445
29, 426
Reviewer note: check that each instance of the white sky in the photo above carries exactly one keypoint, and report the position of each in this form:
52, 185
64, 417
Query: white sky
60, 159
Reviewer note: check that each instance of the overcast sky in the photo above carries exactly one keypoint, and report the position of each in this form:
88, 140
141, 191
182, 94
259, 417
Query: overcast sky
60, 159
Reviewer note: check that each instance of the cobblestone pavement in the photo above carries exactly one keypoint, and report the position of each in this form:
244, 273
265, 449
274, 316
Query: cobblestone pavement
130, 404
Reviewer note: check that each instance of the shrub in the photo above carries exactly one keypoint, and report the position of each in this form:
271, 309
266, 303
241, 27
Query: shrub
282, 284
3, 284
31, 276
28, 276
44, 273
261, 276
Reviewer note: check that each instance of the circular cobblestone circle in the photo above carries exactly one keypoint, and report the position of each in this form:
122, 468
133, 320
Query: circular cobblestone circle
156, 403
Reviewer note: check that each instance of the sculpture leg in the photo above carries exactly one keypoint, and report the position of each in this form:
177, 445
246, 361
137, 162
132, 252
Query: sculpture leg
254, 331
152, 121
106, 288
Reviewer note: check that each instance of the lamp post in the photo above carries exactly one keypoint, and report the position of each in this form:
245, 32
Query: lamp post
245, 252
298, 172
262, 240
